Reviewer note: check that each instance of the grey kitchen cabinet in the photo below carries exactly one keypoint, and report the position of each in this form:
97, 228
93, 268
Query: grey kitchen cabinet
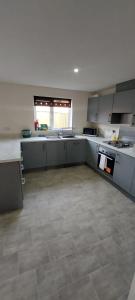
105, 109
56, 153
75, 151
124, 102
92, 154
11, 193
52, 153
123, 171
132, 190
92, 112
34, 154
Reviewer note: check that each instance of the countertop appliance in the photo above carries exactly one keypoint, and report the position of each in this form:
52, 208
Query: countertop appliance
90, 131
119, 144
106, 161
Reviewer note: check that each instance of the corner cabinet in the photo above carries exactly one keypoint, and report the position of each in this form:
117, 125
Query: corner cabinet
105, 106
92, 112
100, 109
123, 171
92, 154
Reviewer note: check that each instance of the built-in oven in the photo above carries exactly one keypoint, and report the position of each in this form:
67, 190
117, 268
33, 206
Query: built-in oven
106, 160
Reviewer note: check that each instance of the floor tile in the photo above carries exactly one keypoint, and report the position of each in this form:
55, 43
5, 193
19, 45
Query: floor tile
21, 287
109, 282
74, 239
33, 257
81, 290
8, 266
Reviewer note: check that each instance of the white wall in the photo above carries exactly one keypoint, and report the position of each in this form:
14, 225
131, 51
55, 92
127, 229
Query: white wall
17, 110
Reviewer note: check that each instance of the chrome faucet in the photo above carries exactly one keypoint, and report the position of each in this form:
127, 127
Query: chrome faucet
60, 132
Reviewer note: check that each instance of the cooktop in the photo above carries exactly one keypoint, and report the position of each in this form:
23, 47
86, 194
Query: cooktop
119, 144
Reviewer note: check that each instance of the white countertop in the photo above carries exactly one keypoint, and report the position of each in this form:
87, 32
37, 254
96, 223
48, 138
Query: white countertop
10, 148
50, 139
100, 140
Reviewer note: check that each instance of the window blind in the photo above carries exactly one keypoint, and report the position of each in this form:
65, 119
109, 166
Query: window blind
51, 102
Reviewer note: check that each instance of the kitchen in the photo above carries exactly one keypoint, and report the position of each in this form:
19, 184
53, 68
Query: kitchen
67, 194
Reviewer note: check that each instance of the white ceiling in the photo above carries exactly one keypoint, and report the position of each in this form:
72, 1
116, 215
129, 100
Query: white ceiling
41, 41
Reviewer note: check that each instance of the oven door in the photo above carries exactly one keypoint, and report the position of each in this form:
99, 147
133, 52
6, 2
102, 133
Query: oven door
106, 163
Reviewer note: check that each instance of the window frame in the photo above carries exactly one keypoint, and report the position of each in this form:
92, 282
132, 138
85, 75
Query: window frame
50, 101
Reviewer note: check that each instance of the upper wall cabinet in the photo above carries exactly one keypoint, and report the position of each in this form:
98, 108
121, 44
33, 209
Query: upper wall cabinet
92, 112
124, 102
105, 109
100, 109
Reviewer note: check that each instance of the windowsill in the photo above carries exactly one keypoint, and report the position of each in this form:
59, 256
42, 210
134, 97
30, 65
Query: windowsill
50, 131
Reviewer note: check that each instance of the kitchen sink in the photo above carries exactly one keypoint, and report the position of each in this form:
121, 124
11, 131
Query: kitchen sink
54, 137
68, 137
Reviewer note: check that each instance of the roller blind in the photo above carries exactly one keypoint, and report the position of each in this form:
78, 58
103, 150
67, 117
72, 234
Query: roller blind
51, 102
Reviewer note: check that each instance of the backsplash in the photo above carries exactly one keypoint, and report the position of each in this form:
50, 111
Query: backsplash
106, 130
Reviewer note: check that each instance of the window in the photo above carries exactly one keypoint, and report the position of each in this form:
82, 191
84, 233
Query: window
54, 112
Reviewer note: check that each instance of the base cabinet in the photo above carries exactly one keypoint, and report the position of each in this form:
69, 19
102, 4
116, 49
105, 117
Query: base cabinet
34, 155
52, 153
55, 153
75, 151
92, 154
123, 171
132, 190
11, 193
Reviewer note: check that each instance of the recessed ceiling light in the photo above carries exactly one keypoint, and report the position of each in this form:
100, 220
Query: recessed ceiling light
76, 70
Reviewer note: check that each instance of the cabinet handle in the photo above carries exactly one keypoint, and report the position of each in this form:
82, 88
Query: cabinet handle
109, 118
23, 180
97, 148
22, 167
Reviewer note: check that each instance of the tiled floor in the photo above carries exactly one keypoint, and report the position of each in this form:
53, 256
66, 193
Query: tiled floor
74, 239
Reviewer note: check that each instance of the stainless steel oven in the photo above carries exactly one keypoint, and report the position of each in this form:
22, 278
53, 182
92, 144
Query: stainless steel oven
106, 160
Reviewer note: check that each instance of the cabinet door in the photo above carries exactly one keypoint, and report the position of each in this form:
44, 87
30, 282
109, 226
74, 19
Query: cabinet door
124, 102
92, 154
75, 151
92, 109
105, 109
123, 171
56, 153
132, 190
33, 155
11, 194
